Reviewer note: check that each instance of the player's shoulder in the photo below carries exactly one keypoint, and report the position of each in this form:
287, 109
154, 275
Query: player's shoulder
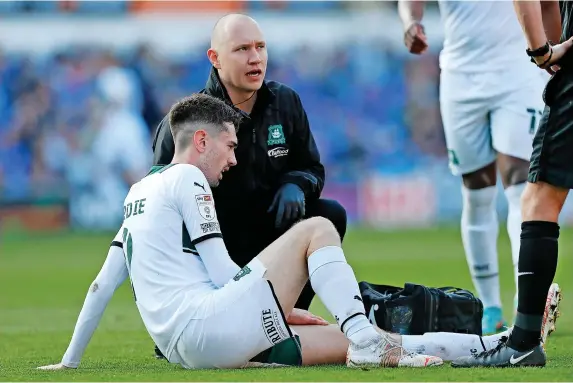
182, 170
185, 174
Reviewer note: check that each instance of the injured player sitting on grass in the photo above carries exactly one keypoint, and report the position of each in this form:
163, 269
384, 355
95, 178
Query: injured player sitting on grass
447, 346
192, 300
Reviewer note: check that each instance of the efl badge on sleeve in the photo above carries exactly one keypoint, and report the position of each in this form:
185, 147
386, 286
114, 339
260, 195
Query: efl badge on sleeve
206, 206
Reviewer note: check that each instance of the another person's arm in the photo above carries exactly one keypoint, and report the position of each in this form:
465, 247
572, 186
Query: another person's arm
551, 20
304, 158
411, 14
531, 17
410, 11
305, 178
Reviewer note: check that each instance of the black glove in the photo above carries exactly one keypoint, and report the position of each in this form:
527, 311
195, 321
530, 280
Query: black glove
289, 202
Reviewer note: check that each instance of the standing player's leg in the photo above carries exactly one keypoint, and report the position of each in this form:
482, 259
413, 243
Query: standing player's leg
311, 249
513, 124
464, 107
549, 181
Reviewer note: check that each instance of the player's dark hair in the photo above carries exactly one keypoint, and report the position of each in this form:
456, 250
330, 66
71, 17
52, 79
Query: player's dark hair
200, 111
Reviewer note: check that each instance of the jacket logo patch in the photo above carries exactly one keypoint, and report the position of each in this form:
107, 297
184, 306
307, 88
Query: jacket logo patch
276, 135
278, 152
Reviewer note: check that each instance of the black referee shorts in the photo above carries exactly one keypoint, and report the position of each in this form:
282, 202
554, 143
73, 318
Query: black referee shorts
552, 157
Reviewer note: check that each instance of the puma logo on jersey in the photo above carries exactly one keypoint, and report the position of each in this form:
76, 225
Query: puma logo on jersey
201, 186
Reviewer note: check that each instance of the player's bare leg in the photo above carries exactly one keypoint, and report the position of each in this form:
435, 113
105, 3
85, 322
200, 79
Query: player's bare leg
480, 228
311, 249
328, 345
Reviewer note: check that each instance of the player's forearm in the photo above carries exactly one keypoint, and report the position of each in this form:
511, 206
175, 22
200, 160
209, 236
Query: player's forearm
112, 274
531, 20
410, 11
94, 306
551, 19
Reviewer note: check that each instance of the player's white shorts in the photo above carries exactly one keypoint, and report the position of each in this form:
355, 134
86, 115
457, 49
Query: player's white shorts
246, 319
487, 113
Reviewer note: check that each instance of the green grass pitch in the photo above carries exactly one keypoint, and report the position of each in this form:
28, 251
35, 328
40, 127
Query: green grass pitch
44, 279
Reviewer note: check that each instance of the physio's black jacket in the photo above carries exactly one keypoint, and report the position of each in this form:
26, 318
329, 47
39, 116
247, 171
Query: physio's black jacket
275, 147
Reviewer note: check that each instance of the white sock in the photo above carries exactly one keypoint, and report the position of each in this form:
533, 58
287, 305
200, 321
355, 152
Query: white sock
448, 345
480, 229
513, 195
491, 341
334, 282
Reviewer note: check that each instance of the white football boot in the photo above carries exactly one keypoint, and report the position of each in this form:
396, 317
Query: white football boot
551, 312
386, 351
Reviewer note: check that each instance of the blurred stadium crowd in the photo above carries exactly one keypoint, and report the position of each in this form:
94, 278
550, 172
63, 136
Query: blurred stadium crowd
78, 123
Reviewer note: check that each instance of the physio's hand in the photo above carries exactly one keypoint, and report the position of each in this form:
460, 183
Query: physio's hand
58, 366
289, 204
303, 317
415, 39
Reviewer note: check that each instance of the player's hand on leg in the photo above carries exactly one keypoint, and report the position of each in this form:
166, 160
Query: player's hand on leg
415, 39
52, 367
303, 317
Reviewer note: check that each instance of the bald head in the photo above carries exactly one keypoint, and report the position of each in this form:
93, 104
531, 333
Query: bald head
239, 53
228, 25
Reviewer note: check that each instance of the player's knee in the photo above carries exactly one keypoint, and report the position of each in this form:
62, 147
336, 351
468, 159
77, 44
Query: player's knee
334, 212
481, 178
514, 173
479, 199
323, 232
542, 202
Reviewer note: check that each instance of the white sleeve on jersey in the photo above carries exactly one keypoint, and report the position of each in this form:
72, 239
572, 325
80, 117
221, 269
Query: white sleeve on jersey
110, 277
194, 200
220, 267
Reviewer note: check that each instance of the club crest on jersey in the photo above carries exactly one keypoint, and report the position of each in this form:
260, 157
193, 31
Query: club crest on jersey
276, 135
206, 206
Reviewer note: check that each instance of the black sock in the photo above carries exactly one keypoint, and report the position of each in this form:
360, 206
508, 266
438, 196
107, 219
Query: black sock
537, 265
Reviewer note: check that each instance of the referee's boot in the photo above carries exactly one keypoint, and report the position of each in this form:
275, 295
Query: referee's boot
158, 353
504, 356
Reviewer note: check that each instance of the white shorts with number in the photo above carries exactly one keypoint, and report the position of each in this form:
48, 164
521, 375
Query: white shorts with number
488, 113
246, 319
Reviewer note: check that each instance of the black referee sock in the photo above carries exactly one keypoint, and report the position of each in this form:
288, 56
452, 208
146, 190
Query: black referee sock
537, 265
